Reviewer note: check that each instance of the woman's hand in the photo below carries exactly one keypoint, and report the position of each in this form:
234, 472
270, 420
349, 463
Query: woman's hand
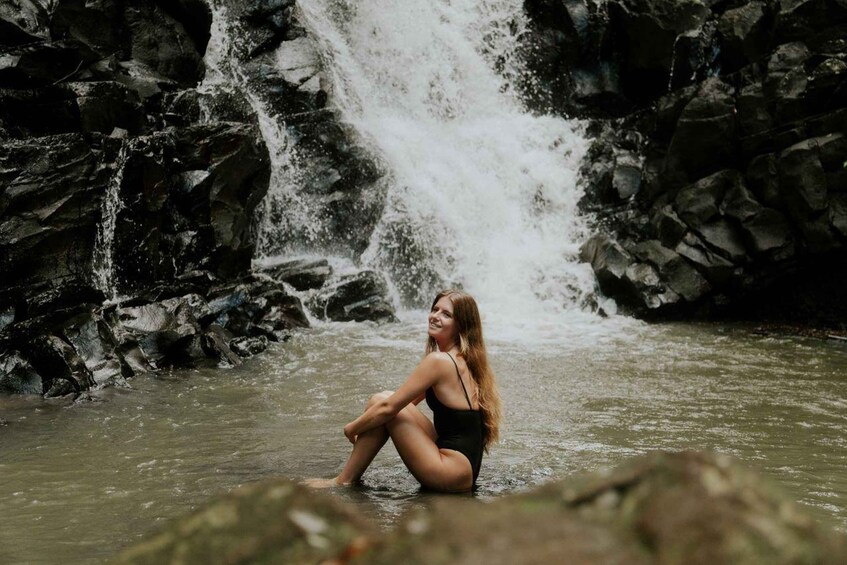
348, 433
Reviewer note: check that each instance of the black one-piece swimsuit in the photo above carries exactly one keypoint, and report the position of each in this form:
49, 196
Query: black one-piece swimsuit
460, 430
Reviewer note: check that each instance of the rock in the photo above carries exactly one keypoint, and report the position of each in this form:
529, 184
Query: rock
753, 115
215, 342
677, 273
745, 33
166, 331
803, 18
61, 368
40, 64
669, 226
359, 297
23, 22
647, 289
700, 202
249, 346
763, 179
271, 521
52, 187
626, 178
646, 36
715, 268
39, 112
105, 105
668, 508
95, 343
17, 376
162, 44
302, 274
281, 311
724, 237
705, 139
189, 196
96, 25
802, 180
609, 260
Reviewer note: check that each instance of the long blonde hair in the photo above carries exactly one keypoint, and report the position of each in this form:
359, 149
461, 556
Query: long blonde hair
472, 349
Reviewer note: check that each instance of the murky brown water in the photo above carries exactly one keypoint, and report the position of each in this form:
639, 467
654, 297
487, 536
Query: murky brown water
80, 482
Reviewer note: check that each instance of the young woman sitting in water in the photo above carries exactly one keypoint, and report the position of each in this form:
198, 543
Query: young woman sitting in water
459, 387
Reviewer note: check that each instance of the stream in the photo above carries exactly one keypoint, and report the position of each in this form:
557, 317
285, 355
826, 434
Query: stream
81, 481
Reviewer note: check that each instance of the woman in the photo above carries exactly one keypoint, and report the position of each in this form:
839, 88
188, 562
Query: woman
459, 387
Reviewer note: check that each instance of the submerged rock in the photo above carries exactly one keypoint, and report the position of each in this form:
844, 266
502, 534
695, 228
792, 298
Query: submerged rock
668, 508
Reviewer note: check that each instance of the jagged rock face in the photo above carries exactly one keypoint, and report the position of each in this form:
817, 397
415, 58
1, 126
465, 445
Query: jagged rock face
662, 508
188, 201
741, 175
49, 207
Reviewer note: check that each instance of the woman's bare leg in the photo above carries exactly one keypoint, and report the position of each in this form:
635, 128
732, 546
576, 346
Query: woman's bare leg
365, 449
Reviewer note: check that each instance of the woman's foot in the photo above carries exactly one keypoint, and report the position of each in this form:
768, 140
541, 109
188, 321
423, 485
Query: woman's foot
322, 483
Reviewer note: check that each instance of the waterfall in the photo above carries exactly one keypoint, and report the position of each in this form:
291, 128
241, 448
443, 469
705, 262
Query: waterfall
483, 194
104, 243
283, 211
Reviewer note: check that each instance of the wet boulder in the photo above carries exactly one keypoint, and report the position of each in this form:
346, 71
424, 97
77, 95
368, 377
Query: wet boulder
106, 105
249, 346
647, 33
215, 342
40, 111
93, 339
302, 274
358, 297
609, 260
23, 22
188, 197
705, 138
167, 331
162, 44
802, 180
256, 308
746, 33
713, 265
17, 376
62, 370
677, 273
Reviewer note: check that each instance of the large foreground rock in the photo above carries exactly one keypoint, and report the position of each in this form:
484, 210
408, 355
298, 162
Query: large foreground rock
662, 508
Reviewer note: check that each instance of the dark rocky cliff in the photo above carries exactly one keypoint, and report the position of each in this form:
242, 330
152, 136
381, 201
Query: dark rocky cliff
717, 175
129, 192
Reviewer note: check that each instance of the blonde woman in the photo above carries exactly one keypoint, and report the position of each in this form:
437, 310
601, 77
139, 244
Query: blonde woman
459, 387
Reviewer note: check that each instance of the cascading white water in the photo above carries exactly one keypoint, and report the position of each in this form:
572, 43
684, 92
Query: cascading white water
483, 193
103, 261
283, 203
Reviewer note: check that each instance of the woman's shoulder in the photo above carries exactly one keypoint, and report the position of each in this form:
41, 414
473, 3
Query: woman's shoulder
438, 360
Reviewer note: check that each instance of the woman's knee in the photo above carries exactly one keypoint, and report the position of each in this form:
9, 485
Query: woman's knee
379, 397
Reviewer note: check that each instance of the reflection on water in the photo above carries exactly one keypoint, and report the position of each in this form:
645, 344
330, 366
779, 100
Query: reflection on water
81, 481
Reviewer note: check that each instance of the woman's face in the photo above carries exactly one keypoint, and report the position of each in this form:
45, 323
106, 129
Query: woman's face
442, 325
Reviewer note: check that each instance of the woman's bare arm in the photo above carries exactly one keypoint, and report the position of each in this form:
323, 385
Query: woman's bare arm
433, 367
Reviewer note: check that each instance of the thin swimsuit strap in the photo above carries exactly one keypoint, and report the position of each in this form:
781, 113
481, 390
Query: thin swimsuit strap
460, 381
